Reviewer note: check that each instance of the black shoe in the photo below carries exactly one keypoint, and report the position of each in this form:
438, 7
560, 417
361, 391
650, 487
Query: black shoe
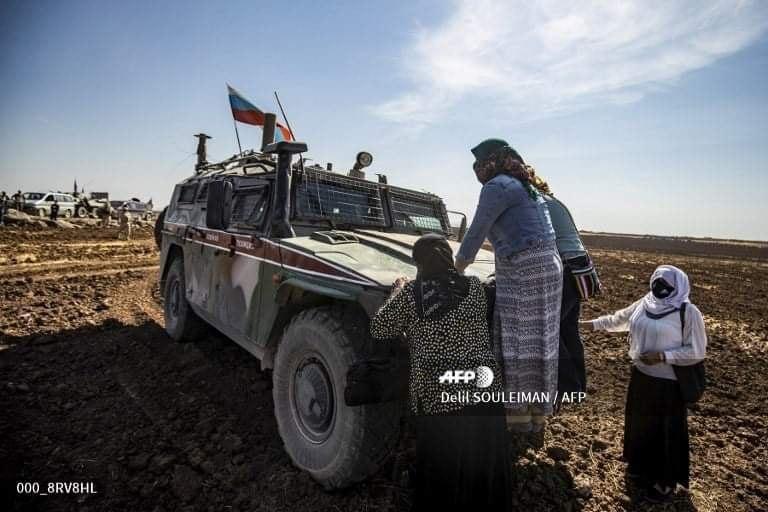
653, 495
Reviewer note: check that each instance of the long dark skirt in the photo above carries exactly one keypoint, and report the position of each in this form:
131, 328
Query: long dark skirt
462, 460
656, 431
571, 370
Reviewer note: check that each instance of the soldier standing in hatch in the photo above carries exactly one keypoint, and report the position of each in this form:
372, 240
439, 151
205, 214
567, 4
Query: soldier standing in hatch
125, 224
54, 210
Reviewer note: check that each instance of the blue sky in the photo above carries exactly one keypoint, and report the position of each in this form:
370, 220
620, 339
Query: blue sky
644, 117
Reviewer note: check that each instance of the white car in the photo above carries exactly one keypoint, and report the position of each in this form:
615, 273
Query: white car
39, 203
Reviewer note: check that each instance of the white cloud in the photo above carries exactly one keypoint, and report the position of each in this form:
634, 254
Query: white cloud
537, 58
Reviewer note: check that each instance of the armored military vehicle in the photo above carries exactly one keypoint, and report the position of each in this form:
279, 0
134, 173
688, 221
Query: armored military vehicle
290, 261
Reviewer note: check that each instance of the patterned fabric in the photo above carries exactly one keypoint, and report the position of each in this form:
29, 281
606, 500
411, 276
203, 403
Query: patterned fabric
585, 277
459, 340
529, 288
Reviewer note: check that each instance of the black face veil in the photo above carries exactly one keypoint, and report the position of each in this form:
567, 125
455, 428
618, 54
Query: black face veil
439, 287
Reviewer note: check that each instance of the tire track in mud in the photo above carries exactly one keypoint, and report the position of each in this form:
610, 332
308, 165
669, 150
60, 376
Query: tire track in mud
70, 269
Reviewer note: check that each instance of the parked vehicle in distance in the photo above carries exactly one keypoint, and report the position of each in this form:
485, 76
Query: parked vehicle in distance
290, 262
136, 208
90, 204
39, 203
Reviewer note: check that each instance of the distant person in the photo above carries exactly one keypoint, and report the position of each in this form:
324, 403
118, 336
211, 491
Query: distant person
571, 370
3, 207
106, 214
54, 210
666, 332
126, 228
512, 214
18, 201
461, 451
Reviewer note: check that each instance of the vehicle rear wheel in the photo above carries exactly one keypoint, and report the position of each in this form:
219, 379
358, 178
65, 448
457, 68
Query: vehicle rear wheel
82, 212
67, 214
181, 323
336, 444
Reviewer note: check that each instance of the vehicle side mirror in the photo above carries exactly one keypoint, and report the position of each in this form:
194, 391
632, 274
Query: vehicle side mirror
462, 226
218, 207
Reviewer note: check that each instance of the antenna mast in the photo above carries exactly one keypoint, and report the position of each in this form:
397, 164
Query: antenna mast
288, 123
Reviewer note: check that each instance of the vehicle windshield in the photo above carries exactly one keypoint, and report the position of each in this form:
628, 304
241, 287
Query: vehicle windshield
348, 201
340, 199
413, 211
33, 196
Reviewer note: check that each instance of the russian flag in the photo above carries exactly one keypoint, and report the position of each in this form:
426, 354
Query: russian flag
246, 112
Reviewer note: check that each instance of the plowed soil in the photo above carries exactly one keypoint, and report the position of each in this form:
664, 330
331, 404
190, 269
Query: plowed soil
92, 390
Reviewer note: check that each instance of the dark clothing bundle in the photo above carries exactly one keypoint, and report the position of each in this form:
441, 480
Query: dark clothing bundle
656, 431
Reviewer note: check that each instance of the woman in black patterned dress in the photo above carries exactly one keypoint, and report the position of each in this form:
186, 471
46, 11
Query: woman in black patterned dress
461, 445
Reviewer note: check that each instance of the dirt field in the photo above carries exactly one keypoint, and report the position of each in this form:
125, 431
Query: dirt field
92, 390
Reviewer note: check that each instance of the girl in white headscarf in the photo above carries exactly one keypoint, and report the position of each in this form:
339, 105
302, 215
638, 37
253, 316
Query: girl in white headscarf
656, 445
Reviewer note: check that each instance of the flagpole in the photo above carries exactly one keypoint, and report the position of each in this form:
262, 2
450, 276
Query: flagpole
239, 149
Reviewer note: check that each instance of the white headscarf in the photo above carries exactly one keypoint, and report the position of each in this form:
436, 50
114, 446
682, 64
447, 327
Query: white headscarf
675, 278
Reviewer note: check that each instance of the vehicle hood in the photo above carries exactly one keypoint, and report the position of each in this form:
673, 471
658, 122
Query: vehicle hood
381, 257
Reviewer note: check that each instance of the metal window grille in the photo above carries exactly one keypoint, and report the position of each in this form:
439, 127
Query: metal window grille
322, 195
187, 194
411, 210
250, 206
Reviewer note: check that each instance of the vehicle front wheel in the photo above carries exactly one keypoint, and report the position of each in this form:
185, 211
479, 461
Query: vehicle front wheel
41, 213
336, 444
181, 323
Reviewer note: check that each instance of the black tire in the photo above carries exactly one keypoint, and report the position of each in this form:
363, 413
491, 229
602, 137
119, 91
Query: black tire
81, 212
181, 323
159, 228
345, 444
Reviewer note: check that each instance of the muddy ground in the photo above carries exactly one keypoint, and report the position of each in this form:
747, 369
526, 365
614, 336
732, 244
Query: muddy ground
92, 390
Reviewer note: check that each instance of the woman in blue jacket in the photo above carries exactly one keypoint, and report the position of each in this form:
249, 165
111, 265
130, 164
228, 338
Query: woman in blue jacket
513, 215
